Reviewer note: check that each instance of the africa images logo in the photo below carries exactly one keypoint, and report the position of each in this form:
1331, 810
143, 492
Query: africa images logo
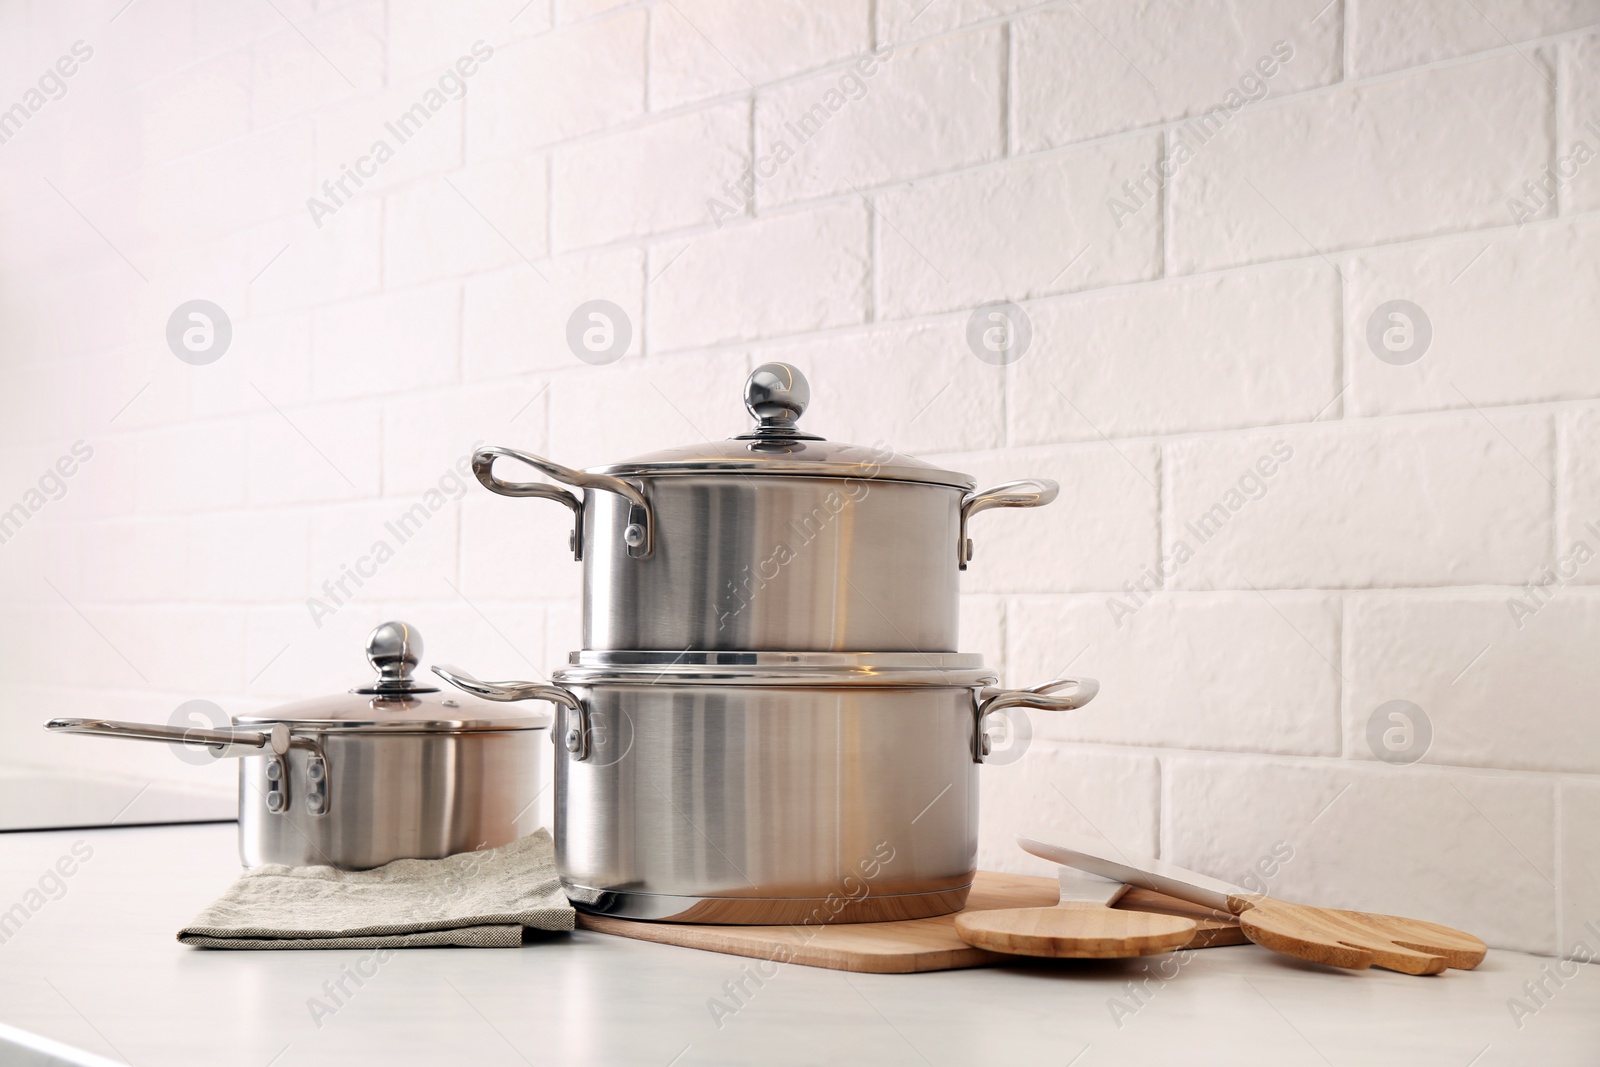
51, 85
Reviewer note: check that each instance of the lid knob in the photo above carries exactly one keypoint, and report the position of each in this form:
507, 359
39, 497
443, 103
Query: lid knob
394, 649
777, 395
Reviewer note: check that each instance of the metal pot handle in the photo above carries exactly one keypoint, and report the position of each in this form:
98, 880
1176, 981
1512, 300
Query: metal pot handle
575, 738
992, 699
220, 743
279, 739
640, 533
1026, 493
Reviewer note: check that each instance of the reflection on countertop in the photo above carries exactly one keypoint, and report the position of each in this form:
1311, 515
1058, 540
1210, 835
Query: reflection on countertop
89, 962
34, 798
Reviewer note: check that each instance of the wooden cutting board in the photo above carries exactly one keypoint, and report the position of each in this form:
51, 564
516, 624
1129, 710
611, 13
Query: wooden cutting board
907, 946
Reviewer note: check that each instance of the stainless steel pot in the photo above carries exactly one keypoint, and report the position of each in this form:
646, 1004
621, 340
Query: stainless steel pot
773, 540
388, 771
770, 787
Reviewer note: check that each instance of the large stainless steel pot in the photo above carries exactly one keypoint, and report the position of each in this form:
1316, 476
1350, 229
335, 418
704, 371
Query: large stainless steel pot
770, 787
392, 770
773, 540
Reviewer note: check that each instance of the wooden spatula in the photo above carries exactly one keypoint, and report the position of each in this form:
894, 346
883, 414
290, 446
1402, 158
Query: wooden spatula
1352, 939
1082, 926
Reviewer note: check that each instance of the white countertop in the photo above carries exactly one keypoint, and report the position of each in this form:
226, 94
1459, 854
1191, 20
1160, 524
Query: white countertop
95, 976
32, 799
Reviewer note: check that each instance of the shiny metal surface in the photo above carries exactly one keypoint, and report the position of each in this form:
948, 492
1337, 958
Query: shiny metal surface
781, 564
1026, 493
758, 661
773, 540
769, 796
777, 394
640, 532
393, 715
796, 456
573, 732
220, 743
395, 796
394, 649
779, 668
396, 702
1053, 695
762, 800
363, 778
841, 907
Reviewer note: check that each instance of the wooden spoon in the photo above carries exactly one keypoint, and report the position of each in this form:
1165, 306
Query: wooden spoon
1352, 939
1082, 926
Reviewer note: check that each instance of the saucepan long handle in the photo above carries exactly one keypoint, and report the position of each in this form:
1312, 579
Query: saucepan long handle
220, 743
273, 742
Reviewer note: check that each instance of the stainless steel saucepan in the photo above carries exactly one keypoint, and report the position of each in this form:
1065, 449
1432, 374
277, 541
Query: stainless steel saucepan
774, 540
763, 787
391, 770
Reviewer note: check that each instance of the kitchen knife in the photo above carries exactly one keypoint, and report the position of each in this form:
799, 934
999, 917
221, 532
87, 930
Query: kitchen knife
1350, 939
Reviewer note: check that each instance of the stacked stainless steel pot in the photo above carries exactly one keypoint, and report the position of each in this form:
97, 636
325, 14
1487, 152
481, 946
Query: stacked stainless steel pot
769, 720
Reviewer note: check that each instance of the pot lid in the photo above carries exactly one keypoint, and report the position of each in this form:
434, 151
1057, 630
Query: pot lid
397, 701
776, 395
852, 669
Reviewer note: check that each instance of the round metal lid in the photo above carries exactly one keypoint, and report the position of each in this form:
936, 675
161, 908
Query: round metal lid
898, 669
397, 702
777, 395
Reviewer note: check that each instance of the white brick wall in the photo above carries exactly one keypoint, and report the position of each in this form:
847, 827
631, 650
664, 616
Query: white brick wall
920, 110
1415, 155
554, 86
1377, 839
650, 178
794, 272
1119, 76
1579, 121
515, 320
1474, 659
939, 248
1579, 505
1208, 238
487, 215
701, 48
1579, 806
1449, 501
1387, 35
1534, 290
1189, 354
1249, 675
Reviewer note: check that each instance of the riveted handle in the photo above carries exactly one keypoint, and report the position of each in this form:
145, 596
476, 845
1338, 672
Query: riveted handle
1026, 493
220, 743
640, 534
273, 742
1049, 696
574, 735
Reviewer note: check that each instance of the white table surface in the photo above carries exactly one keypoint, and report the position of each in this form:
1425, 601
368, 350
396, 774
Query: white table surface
95, 976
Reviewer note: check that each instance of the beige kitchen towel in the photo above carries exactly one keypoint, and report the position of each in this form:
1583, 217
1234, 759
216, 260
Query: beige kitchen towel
474, 899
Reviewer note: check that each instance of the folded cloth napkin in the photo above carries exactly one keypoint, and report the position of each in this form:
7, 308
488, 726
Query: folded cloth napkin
474, 899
